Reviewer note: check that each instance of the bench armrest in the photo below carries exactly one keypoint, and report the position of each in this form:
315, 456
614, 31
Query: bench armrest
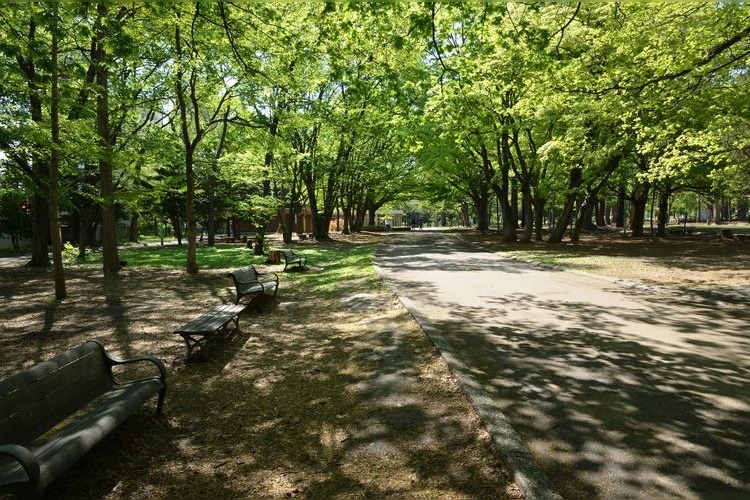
275, 276
148, 359
25, 458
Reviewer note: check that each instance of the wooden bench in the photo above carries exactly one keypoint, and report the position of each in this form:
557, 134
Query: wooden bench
249, 282
220, 322
38, 402
291, 259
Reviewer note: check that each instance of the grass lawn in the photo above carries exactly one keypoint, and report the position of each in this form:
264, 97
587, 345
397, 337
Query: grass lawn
330, 391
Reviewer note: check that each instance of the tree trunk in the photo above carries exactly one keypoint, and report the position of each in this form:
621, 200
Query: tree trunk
177, 228
58, 270
585, 214
482, 206
191, 264
211, 220
639, 200
514, 204
715, 208
601, 211
347, 220
40, 236
664, 196
503, 190
86, 216
211, 183
576, 177
539, 204
134, 231
110, 258
620, 215
527, 213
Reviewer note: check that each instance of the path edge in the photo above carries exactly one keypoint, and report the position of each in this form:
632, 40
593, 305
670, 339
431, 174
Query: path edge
527, 472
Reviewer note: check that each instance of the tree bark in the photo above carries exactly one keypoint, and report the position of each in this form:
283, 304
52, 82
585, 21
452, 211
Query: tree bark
40, 236
110, 258
58, 270
503, 189
639, 200
664, 196
574, 183
620, 214
600, 215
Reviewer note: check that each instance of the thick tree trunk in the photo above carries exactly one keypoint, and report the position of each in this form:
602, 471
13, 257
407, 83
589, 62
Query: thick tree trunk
191, 264
40, 236
58, 270
584, 219
482, 206
639, 200
134, 231
177, 228
527, 213
601, 211
110, 258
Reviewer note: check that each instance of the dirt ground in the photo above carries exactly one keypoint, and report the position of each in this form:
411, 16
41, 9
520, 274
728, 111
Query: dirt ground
314, 398
699, 263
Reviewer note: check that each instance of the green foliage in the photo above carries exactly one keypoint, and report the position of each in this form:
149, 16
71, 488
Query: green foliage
15, 219
360, 105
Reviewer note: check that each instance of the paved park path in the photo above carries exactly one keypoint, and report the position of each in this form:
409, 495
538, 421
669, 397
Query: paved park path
617, 391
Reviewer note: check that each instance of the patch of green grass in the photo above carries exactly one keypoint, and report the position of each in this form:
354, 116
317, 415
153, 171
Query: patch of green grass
331, 268
174, 257
339, 267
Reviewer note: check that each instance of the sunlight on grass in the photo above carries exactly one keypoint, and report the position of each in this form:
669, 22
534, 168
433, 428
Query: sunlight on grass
174, 257
332, 267
340, 266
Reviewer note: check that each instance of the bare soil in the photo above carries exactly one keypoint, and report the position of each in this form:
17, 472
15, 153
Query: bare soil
690, 263
314, 398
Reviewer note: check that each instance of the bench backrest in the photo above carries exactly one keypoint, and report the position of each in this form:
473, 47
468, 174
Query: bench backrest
244, 275
35, 400
289, 254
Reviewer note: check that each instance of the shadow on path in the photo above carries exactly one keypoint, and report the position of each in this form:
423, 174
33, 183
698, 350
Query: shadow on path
618, 392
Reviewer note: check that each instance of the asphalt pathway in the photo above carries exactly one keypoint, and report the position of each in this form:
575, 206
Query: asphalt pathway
617, 391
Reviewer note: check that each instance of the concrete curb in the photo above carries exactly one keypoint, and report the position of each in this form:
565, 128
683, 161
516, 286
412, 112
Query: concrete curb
527, 472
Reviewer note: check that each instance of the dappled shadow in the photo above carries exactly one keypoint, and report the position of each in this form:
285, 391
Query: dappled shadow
618, 391
296, 405
691, 254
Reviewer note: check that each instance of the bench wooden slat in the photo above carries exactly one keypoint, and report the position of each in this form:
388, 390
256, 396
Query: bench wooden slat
198, 331
74, 392
211, 320
40, 402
